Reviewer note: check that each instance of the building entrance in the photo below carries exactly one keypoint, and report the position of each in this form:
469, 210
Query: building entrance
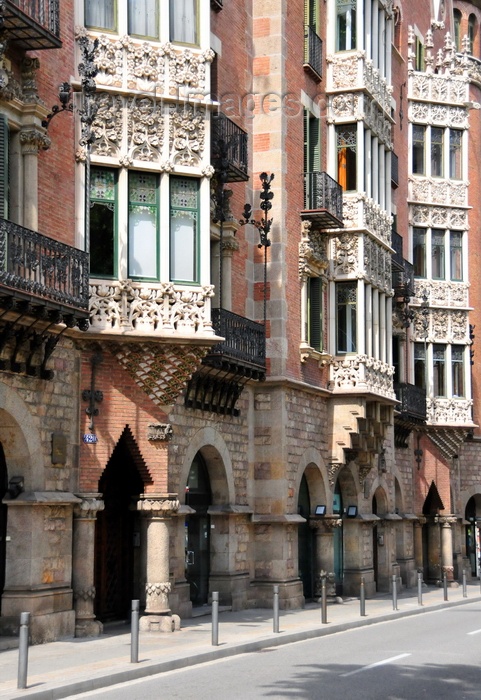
117, 537
305, 541
197, 531
3, 518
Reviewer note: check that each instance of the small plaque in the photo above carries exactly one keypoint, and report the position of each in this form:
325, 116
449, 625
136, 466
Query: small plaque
59, 448
90, 438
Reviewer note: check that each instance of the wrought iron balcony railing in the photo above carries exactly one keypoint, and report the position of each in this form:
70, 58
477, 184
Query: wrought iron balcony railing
32, 24
244, 344
313, 52
413, 402
397, 256
39, 269
323, 200
394, 170
229, 148
403, 280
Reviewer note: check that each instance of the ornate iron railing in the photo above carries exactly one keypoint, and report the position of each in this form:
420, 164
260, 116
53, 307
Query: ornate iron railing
42, 267
394, 170
313, 51
397, 244
323, 192
245, 340
413, 401
403, 280
33, 24
229, 148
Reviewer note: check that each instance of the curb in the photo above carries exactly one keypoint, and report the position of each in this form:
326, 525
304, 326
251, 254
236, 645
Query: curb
146, 669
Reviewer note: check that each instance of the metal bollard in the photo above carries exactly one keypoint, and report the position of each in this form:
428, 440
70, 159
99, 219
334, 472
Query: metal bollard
465, 590
215, 619
394, 592
275, 622
362, 598
420, 588
445, 585
23, 650
323, 601
134, 632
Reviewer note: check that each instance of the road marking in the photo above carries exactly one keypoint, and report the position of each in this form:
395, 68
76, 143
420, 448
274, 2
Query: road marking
475, 632
378, 663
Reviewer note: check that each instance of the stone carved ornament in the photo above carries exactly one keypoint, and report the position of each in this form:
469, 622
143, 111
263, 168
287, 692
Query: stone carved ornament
107, 125
346, 253
186, 134
312, 251
446, 411
437, 217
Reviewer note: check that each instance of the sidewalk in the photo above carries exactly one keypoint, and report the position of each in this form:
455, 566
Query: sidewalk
61, 669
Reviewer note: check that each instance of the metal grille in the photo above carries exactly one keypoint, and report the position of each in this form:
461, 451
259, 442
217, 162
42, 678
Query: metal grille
313, 51
323, 192
244, 339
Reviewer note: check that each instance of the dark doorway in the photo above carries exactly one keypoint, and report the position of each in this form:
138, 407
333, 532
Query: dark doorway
472, 535
197, 536
338, 536
3, 519
375, 540
117, 536
305, 541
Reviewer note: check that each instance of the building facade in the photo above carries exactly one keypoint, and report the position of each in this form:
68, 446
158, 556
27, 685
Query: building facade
266, 392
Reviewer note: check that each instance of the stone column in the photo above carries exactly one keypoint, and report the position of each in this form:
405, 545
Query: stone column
324, 555
447, 565
158, 510
32, 140
418, 544
85, 514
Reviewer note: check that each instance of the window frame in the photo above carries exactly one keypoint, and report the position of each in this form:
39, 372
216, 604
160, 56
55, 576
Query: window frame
346, 311
346, 157
197, 26
130, 204
314, 313
112, 29
197, 241
350, 29
114, 203
152, 37
452, 245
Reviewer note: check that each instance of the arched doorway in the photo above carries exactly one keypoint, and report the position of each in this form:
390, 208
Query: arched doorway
337, 509
117, 536
380, 548
305, 541
197, 531
431, 535
473, 544
3, 519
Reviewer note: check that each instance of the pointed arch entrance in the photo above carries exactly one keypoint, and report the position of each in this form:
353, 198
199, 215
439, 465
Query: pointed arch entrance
305, 541
117, 534
198, 496
3, 519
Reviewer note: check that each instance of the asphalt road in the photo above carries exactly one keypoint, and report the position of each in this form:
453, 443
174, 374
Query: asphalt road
436, 655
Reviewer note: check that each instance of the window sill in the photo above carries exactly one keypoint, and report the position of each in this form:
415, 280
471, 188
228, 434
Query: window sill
306, 352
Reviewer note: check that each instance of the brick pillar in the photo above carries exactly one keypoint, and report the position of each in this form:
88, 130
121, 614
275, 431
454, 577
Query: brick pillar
85, 515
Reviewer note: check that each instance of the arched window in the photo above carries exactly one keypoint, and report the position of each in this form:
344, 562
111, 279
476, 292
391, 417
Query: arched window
472, 29
457, 29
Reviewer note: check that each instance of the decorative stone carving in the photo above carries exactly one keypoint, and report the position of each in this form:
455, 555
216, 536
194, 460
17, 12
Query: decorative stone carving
345, 105
438, 217
158, 589
449, 411
345, 258
33, 141
344, 73
440, 293
377, 264
159, 432
89, 506
361, 212
333, 470
109, 59
30, 67
438, 114
186, 134
312, 251
187, 72
85, 594
436, 191
107, 125
362, 373
145, 129
146, 65
159, 506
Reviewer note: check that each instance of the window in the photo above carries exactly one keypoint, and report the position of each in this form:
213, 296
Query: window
346, 302
419, 54
143, 18
312, 156
457, 29
184, 217
437, 254
314, 313
345, 25
457, 370
455, 154
103, 222
184, 21
456, 255
100, 14
439, 370
143, 255
419, 137
419, 252
471, 32
346, 141
437, 169
4, 179
420, 365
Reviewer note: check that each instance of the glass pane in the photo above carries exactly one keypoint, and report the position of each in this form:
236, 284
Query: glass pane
183, 21
100, 13
455, 152
346, 137
420, 365
101, 240
439, 370
418, 149
419, 252
437, 253
346, 317
142, 241
457, 358
437, 152
182, 247
143, 18
456, 255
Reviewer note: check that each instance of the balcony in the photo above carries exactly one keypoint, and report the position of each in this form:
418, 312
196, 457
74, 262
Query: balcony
313, 53
323, 201
403, 280
42, 273
229, 148
32, 24
412, 408
397, 256
241, 356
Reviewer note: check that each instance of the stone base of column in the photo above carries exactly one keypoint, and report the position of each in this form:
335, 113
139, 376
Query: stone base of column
88, 628
159, 623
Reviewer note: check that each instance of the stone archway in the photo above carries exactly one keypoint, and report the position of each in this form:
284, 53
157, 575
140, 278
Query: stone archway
315, 549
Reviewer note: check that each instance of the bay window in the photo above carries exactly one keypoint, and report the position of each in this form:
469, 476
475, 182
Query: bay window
346, 317
143, 255
345, 25
184, 218
445, 147
446, 259
346, 143
103, 215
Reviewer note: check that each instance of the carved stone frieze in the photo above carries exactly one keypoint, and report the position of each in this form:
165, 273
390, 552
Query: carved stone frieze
29, 68
187, 72
146, 65
186, 134
107, 126
333, 470
345, 70
109, 59
158, 505
327, 523
89, 506
85, 594
437, 216
345, 105
159, 432
377, 264
312, 251
438, 114
437, 191
361, 372
361, 212
377, 121
145, 129
345, 253
443, 326
440, 293
449, 411
164, 309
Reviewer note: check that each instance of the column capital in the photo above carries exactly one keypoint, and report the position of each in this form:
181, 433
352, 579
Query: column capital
33, 141
90, 505
326, 524
158, 505
446, 520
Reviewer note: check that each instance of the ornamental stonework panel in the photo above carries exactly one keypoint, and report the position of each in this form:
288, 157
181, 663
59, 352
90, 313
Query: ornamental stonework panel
449, 411
107, 126
438, 217
439, 293
447, 326
145, 129
186, 134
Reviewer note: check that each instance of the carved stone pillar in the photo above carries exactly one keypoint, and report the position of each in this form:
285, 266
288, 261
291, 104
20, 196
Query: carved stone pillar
447, 564
85, 514
158, 510
32, 140
324, 561
418, 543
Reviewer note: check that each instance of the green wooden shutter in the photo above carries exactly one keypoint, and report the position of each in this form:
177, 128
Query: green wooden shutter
3, 167
314, 300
